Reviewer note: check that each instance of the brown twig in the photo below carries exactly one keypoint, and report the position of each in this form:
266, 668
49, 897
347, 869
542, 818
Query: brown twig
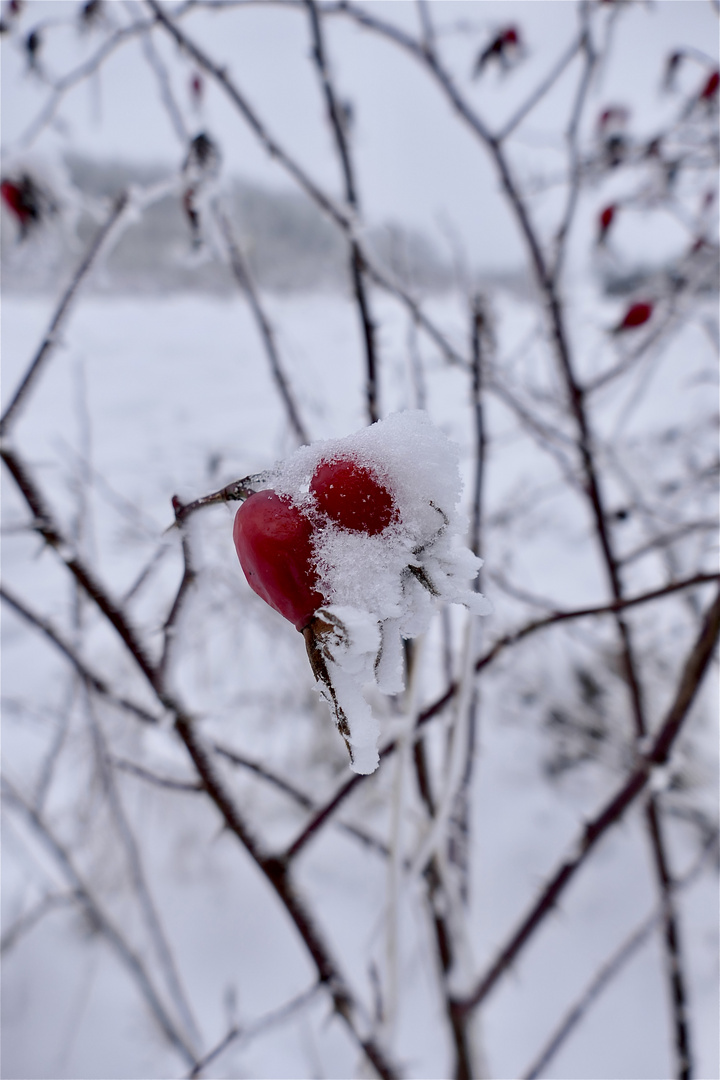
237, 491
45, 525
296, 795
186, 583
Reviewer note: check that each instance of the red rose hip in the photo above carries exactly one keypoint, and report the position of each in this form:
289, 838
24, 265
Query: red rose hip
352, 496
273, 539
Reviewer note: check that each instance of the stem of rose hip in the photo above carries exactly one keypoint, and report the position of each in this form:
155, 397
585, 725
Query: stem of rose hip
237, 491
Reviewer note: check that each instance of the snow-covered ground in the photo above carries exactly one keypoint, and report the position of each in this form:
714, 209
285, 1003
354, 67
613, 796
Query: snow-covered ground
146, 399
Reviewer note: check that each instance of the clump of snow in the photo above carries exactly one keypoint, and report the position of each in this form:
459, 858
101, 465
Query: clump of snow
385, 587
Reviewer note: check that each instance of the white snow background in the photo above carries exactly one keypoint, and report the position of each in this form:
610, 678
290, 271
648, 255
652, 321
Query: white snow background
149, 397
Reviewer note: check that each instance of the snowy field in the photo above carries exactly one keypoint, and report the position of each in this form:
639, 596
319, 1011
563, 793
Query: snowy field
143, 400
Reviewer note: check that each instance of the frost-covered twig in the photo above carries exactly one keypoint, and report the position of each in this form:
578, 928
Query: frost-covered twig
274, 149
29, 920
339, 123
241, 273
89, 677
542, 88
164, 86
276, 872
127, 957
238, 1033
61, 86
590, 59
611, 968
45, 524
138, 878
51, 335
694, 669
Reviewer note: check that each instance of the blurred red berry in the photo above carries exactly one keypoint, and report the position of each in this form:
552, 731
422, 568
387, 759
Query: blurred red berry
710, 89
503, 48
615, 116
636, 315
26, 201
605, 220
197, 88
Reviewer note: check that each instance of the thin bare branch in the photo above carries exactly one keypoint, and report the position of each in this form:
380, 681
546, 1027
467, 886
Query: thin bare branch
241, 273
89, 677
237, 491
128, 958
186, 583
220, 75
574, 164
296, 795
51, 335
276, 873
694, 669
140, 771
339, 123
238, 1033
542, 89
61, 86
138, 878
611, 968
30, 919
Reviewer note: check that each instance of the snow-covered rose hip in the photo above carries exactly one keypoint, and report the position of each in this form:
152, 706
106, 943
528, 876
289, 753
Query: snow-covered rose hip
273, 539
352, 496
356, 544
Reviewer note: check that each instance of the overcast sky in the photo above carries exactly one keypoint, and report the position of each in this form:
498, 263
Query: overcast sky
416, 162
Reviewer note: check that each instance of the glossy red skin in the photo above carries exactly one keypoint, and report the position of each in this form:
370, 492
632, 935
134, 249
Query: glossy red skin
273, 539
352, 496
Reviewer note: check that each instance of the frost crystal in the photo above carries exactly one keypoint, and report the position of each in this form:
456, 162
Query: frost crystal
383, 587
